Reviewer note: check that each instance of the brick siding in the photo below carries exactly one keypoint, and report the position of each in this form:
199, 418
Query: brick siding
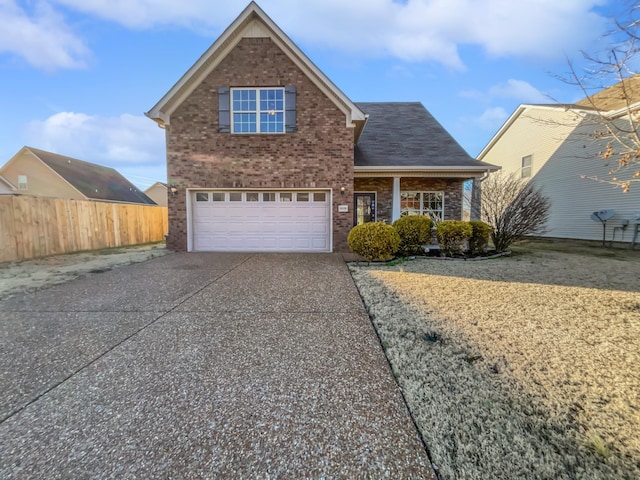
383, 187
452, 189
318, 155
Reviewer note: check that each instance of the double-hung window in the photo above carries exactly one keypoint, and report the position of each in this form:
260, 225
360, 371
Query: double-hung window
257, 110
525, 171
430, 204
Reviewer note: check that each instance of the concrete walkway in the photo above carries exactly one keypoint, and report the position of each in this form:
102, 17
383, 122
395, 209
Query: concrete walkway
201, 366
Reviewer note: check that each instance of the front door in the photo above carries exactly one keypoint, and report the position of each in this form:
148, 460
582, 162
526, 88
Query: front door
365, 208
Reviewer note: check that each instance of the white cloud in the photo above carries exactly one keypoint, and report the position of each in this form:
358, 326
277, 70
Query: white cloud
40, 36
415, 30
473, 95
491, 119
519, 90
134, 145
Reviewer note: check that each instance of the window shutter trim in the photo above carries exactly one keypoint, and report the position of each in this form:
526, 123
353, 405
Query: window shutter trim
290, 108
224, 109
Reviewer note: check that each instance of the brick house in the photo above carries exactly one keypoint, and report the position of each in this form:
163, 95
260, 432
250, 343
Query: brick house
265, 153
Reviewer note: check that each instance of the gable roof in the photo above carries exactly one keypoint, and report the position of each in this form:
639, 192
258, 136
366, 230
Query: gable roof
252, 22
405, 136
524, 107
95, 182
157, 184
9, 185
616, 97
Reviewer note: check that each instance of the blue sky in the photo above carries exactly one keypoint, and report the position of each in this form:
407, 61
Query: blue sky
76, 76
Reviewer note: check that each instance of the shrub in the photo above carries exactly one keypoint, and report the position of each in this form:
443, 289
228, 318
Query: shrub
479, 239
414, 231
374, 241
452, 235
513, 208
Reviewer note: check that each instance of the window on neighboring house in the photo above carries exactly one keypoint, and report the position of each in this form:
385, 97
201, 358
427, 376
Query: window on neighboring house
22, 182
422, 203
257, 110
525, 172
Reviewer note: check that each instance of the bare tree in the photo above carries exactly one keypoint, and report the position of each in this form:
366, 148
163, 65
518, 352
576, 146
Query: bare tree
513, 208
611, 86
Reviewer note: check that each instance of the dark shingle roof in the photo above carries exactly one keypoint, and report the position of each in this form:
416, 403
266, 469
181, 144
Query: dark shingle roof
402, 134
96, 182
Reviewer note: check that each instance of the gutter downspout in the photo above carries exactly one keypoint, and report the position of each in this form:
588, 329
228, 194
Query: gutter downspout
476, 199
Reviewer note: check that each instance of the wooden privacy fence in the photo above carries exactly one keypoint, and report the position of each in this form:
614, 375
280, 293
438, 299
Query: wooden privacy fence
33, 227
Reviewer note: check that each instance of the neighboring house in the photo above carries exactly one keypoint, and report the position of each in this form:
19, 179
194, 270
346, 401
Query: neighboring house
40, 173
158, 193
266, 153
555, 146
6, 187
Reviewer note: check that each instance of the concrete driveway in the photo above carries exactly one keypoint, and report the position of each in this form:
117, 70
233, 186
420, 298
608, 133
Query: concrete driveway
201, 366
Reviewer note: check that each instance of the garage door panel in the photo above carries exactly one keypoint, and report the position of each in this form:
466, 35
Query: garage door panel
302, 243
277, 225
319, 228
291, 228
318, 243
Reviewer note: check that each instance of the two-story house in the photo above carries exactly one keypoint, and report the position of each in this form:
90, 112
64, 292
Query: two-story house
265, 153
557, 147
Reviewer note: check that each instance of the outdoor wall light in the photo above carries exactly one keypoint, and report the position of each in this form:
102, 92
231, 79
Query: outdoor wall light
174, 190
342, 190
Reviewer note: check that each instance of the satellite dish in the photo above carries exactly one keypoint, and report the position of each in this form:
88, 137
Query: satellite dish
602, 215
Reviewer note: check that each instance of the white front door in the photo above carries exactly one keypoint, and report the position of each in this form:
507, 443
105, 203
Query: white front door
261, 221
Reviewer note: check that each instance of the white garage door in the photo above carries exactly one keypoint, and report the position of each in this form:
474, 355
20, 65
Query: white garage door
261, 221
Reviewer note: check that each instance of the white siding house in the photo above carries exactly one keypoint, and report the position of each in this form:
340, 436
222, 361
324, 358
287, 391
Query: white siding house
554, 146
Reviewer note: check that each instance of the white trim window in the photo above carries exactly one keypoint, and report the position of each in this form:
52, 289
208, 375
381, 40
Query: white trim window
257, 110
22, 182
525, 171
430, 204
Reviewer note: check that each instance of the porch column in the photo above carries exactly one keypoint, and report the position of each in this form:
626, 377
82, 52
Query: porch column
395, 203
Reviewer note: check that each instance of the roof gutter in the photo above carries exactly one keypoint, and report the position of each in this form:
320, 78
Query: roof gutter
485, 176
401, 168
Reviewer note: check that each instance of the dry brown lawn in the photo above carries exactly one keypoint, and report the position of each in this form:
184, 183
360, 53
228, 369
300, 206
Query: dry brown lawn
518, 367
34, 274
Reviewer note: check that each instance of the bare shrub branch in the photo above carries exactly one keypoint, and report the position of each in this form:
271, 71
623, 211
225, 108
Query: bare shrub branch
513, 208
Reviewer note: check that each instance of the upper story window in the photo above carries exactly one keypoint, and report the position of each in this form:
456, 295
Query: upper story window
525, 171
22, 182
257, 109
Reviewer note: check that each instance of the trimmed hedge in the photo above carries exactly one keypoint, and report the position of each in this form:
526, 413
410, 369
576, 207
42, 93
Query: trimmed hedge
374, 241
414, 231
479, 240
452, 235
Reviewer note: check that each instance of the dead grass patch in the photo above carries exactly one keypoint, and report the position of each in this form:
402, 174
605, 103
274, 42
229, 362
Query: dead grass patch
32, 275
522, 367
